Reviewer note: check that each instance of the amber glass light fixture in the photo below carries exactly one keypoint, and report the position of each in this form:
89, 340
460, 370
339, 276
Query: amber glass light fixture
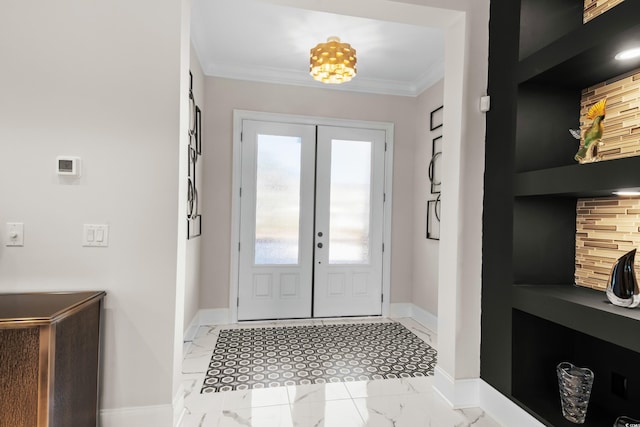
333, 61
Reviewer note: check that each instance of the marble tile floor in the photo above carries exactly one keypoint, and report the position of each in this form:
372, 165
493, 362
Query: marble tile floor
406, 402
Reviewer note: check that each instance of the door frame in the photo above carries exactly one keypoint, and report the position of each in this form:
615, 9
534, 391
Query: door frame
238, 117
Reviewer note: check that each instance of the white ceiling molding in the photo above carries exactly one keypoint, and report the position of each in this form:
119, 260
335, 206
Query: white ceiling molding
269, 41
358, 84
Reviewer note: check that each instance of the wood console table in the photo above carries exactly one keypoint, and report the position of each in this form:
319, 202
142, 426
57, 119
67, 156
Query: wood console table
49, 357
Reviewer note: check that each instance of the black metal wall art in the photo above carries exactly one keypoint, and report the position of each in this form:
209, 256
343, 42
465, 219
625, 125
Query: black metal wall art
434, 165
435, 175
436, 118
433, 219
194, 219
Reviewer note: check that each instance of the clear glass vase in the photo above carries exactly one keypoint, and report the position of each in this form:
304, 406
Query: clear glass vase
575, 389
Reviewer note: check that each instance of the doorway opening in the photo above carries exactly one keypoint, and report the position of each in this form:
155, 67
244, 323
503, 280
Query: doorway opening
311, 212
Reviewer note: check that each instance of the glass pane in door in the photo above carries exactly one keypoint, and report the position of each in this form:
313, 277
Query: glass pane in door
349, 210
277, 199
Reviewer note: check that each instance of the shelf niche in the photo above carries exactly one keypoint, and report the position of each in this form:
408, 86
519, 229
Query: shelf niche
606, 229
539, 345
545, 114
545, 21
547, 111
621, 137
544, 240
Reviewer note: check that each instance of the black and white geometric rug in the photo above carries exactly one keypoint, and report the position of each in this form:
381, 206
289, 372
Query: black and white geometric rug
278, 356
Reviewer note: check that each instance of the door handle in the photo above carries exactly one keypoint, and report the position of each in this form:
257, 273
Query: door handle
320, 245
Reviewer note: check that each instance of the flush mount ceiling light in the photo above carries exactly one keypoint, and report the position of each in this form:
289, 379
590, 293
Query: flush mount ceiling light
628, 54
333, 62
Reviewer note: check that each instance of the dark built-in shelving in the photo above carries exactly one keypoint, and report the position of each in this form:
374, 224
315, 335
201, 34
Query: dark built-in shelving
581, 309
587, 180
585, 56
533, 316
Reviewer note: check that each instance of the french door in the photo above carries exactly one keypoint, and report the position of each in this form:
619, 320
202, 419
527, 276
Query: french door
311, 221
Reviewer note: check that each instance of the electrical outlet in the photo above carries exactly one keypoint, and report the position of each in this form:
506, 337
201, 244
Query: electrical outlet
619, 385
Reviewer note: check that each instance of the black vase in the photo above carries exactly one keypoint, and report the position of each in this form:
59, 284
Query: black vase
622, 289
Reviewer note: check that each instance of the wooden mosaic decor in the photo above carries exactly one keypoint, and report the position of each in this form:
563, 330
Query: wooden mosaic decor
621, 136
594, 8
606, 229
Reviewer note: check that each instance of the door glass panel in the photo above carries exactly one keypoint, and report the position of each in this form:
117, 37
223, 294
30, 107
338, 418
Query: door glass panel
349, 209
277, 199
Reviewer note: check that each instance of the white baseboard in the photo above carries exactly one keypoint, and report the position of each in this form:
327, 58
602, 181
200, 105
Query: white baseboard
140, 416
459, 394
427, 319
420, 315
192, 329
503, 410
400, 309
470, 393
210, 316
178, 406
146, 416
222, 316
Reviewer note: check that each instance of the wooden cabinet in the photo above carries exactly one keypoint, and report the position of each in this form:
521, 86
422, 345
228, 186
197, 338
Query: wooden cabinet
541, 57
49, 358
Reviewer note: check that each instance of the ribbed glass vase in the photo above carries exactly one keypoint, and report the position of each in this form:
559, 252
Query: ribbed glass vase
575, 389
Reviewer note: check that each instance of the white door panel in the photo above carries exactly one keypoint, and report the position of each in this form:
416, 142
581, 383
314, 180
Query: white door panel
349, 222
276, 232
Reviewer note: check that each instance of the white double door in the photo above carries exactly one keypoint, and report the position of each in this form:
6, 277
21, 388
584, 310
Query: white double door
311, 222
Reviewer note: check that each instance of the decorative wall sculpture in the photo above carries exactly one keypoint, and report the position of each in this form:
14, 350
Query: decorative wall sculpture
194, 219
591, 139
622, 289
621, 137
435, 174
433, 219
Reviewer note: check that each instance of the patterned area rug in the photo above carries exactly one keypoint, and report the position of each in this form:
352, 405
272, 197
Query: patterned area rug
278, 356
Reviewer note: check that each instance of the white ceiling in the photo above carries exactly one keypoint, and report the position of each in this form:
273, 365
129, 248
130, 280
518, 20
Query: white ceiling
258, 41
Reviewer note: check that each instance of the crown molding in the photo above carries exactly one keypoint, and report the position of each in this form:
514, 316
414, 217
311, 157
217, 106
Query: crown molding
300, 78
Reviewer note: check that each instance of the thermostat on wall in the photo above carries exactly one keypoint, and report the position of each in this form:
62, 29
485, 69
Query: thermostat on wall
68, 165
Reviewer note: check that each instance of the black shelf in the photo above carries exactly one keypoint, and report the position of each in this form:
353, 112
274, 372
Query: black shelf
585, 56
581, 309
586, 180
539, 345
546, 407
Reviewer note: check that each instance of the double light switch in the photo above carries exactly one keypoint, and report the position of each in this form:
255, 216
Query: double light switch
95, 235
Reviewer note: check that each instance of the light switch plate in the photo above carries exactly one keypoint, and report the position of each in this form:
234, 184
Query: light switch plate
95, 235
15, 234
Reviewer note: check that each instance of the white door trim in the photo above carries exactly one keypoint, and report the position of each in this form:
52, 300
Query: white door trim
238, 117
